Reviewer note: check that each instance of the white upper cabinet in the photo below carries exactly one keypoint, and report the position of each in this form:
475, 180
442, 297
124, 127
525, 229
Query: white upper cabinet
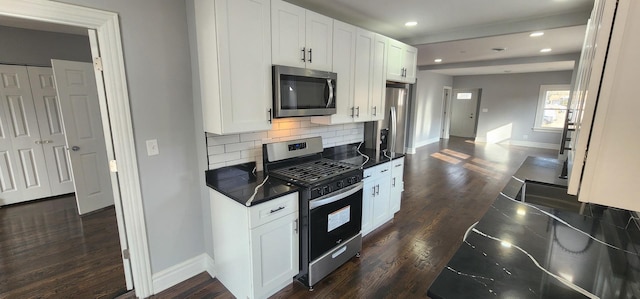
606, 139
344, 53
379, 77
360, 60
402, 62
300, 37
233, 42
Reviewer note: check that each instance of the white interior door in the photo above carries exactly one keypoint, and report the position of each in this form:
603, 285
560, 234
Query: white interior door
464, 108
51, 129
23, 173
78, 95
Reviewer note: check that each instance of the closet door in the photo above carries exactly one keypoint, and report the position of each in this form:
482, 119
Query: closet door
24, 174
49, 118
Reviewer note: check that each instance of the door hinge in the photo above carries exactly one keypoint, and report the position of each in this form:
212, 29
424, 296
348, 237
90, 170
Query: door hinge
97, 63
113, 166
125, 254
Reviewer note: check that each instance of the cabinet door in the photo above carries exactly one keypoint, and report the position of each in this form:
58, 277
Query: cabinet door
378, 85
394, 64
397, 184
381, 212
245, 50
319, 41
25, 175
288, 34
368, 197
274, 249
409, 60
364, 74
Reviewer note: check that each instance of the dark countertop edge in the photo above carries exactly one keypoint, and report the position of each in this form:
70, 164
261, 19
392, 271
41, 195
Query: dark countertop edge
349, 151
244, 172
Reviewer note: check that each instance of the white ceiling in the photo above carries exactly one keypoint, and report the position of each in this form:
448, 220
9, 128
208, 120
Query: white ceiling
463, 31
457, 31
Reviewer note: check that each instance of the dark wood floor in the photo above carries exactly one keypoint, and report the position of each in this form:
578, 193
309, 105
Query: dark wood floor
48, 251
448, 186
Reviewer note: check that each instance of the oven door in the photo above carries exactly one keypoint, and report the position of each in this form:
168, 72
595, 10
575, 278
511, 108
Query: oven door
334, 218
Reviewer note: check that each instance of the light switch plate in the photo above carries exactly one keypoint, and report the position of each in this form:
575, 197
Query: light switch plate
152, 147
485, 109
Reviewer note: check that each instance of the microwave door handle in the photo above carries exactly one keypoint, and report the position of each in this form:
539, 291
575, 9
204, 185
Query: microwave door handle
330, 99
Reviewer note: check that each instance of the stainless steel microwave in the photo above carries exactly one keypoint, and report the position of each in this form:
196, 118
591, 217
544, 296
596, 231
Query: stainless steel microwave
303, 92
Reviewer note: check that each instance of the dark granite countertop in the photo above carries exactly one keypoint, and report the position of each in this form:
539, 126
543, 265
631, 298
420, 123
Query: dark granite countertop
238, 183
520, 250
349, 154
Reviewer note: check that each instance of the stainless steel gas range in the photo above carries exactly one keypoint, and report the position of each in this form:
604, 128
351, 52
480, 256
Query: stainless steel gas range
330, 204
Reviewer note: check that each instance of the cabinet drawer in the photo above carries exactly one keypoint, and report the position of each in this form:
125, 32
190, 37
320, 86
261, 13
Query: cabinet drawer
376, 170
273, 209
397, 164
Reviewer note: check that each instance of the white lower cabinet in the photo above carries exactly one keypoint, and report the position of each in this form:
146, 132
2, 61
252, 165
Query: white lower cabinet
375, 201
397, 184
255, 248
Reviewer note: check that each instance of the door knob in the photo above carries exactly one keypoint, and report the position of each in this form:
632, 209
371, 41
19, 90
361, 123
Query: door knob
75, 148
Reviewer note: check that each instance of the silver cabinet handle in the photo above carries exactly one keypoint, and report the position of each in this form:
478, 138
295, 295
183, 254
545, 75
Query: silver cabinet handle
295, 226
38, 142
304, 54
75, 148
374, 191
375, 110
353, 112
384, 170
377, 189
278, 209
270, 116
358, 113
310, 55
394, 182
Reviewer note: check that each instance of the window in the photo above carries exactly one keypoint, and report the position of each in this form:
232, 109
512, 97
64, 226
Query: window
552, 107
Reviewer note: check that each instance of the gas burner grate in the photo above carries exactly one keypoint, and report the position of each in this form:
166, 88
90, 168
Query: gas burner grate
314, 171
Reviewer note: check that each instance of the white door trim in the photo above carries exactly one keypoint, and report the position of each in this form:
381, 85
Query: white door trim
110, 44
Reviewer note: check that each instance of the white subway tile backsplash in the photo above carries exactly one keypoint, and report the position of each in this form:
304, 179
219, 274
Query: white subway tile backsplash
253, 136
223, 139
216, 149
224, 157
235, 149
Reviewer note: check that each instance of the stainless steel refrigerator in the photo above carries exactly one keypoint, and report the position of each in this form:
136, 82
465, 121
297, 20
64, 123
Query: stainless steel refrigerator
388, 135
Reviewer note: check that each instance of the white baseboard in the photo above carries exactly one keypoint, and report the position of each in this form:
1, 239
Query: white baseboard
412, 150
181, 272
523, 143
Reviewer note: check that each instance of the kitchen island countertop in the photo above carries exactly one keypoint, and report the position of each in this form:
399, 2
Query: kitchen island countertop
520, 250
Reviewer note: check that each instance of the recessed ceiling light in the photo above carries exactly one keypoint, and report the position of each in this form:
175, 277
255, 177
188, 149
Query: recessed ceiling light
545, 50
536, 34
437, 60
498, 49
411, 23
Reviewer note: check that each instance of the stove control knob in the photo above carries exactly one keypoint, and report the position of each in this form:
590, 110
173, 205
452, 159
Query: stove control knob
340, 184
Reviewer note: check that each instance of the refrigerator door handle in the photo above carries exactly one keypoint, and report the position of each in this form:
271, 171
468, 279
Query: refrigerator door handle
392, 130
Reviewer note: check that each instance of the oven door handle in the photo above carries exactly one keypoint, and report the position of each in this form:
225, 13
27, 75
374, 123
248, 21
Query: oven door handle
327, 199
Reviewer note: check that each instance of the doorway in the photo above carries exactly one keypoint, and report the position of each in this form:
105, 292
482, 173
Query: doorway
464, 112
107, 44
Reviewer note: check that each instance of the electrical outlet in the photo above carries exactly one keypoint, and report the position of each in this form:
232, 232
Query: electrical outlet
152, 147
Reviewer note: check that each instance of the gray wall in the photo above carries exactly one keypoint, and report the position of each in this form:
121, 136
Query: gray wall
37, 48
157, 64
511, 100
426, 110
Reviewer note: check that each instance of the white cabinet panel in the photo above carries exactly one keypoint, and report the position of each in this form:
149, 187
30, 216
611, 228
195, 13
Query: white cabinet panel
379, 77
397, 184
364, 74
256, 252
401, 62
301, 38
233, 41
